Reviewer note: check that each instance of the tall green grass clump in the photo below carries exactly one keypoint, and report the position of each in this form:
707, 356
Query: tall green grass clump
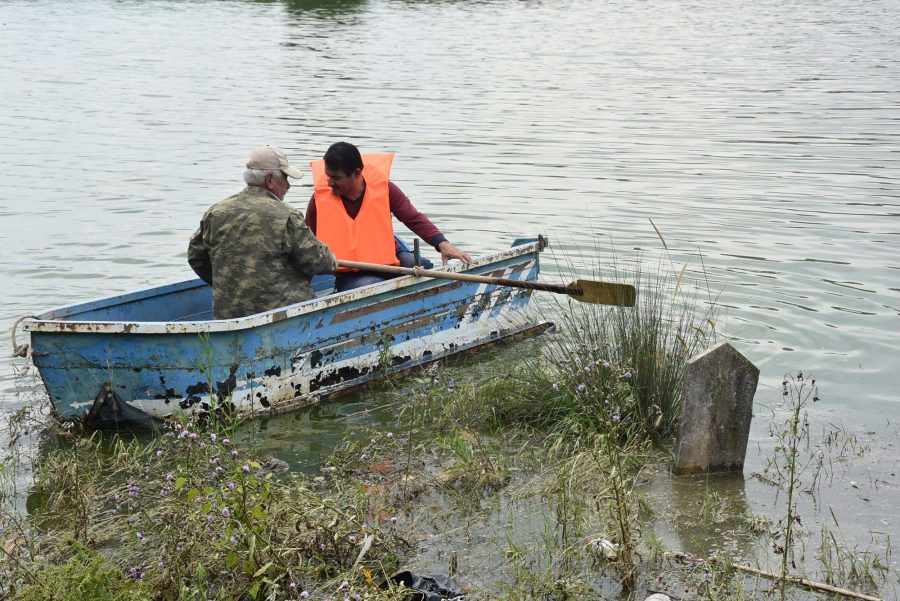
604, 365
630, 360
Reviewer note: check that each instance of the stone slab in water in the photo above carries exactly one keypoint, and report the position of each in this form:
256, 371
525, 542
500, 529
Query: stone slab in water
716, 408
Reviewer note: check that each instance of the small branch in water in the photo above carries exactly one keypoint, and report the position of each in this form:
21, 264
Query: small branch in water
819, 586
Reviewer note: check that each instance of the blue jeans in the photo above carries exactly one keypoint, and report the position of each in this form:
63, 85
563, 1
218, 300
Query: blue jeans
354, 279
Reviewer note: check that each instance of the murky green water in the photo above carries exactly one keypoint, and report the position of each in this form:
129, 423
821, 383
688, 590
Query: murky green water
764, 136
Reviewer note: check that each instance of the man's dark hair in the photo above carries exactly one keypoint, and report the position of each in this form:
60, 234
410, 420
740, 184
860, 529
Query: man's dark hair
343, 156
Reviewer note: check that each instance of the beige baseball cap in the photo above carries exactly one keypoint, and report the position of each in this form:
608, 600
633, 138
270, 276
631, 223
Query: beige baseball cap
271, 157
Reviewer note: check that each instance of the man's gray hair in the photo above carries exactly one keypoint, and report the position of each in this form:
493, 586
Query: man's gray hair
257, 177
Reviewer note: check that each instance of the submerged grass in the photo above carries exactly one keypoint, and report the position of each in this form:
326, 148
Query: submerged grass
194, 516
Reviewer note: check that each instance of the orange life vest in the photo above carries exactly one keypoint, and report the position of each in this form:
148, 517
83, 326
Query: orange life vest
370, 236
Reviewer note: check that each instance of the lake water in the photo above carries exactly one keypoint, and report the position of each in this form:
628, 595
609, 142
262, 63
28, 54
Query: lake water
764, 136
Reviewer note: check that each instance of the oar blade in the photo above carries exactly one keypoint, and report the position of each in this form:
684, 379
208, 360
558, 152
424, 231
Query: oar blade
604, 293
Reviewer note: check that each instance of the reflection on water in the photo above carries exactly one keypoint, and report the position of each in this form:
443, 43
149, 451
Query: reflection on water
323, 8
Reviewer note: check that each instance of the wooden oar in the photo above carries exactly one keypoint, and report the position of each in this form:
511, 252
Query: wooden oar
585, 291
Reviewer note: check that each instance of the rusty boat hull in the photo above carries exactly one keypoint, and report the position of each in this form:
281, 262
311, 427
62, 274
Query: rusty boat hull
159, 351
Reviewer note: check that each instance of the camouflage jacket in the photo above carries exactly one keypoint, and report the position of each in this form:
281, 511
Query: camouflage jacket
257, 253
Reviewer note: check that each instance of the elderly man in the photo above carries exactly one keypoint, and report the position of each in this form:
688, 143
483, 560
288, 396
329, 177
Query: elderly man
351, 209
255, 251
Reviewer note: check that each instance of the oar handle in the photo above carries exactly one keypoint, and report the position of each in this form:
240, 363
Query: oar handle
465, 277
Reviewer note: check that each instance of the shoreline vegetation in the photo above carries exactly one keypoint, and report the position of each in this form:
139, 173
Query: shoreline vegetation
548, 463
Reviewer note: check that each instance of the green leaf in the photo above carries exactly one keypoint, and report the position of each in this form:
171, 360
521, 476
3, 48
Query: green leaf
180, 481
255, 464
254, 590
201, 572
231, 560
262, 570
258, 512
192, 494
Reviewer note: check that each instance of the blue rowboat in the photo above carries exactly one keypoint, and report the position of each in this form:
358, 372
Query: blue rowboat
137, 357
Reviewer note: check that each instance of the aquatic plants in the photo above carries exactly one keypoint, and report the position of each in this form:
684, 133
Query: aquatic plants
648, 343
193, 515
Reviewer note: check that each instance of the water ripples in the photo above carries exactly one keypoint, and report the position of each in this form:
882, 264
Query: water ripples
762, 136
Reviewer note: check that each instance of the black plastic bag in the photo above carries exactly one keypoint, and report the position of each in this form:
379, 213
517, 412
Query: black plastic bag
427, 587
110, 412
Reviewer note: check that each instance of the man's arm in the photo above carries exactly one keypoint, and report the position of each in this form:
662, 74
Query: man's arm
311, 213
198, 256
306, 253
404, 210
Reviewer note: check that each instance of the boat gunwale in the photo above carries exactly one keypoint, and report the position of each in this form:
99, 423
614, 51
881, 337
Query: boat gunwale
38, 324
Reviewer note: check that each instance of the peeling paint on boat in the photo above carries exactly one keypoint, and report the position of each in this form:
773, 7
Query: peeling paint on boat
161, 351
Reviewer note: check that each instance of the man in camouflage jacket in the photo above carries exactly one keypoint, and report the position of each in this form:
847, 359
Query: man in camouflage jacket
255, 251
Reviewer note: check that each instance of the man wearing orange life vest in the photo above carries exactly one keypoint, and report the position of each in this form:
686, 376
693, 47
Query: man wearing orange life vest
350, 211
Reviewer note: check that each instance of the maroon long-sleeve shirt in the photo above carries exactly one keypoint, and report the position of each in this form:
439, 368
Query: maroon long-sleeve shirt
401, 208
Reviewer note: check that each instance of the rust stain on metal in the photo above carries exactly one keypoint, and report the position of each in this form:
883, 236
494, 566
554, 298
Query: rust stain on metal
404, 327
461, 310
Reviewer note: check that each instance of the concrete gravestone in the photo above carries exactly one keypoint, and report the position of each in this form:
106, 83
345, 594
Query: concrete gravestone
716, 408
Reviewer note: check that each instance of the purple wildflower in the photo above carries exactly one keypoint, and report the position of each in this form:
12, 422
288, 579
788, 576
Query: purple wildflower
234, 454
304, 595
170, 477
213, 437
231, 486
210, 517
226, 512
159, 453
627, 375
233, 541
352, 538
555, 386
582, 388
707, 576
394, 519
616, 417
193, 436
225, 442
246, 469
202, 445
390, 434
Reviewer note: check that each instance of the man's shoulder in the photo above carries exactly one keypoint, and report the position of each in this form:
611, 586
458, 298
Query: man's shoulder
249, 199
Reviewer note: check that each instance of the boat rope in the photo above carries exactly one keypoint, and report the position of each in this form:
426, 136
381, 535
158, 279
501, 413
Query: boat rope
21, 350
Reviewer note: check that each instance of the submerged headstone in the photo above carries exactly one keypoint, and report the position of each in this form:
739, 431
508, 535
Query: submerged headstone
716, 408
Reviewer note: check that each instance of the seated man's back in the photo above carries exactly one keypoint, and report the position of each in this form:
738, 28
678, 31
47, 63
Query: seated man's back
256, 251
